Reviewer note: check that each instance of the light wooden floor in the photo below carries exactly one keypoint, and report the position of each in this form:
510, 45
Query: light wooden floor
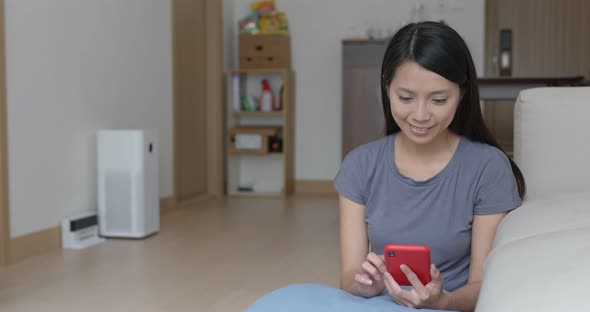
216, 255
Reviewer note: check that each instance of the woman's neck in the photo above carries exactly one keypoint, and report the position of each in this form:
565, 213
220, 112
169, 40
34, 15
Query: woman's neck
443, 145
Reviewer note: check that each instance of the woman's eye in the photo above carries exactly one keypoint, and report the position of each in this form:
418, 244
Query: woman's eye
405, 99
439, 101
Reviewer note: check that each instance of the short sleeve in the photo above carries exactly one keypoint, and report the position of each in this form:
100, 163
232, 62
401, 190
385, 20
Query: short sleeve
496, 190
350, 180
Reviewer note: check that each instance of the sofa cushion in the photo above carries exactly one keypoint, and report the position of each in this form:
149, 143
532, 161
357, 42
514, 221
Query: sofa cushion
534, 217
550, 135
546, 272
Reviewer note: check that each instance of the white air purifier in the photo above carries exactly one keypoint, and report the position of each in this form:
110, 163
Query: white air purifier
128, 195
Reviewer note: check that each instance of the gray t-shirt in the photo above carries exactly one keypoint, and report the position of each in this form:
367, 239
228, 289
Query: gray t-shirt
437, 212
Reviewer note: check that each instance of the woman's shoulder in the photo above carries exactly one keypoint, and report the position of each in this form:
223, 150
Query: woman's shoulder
483, 152
370, 150
354, 175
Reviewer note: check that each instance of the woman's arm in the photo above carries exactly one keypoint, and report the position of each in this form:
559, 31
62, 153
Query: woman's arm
483, 235
354, 245
463, 299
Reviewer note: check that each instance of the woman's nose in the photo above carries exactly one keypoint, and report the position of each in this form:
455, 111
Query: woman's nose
421, 113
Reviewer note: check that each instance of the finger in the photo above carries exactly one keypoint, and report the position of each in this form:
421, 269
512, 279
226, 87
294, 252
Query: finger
434, 273
362, 279
369, 268
377, 262
396, 292
392, 287
422, 292
435, 279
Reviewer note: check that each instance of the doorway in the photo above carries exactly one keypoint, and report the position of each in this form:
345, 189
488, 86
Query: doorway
197, 98
4, 208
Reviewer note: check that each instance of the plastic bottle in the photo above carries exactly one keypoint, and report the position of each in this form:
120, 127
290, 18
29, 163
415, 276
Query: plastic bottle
266, 100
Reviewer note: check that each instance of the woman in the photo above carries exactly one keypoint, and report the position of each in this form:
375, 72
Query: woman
438, 178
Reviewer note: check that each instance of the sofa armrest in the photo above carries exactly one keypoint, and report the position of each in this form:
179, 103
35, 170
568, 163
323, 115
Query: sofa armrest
535, 217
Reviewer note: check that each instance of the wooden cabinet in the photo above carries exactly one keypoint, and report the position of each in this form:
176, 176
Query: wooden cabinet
362, 111
549, 39
259, 144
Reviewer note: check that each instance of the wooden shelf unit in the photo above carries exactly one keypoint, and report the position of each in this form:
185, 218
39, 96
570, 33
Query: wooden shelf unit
257, 167
277, 113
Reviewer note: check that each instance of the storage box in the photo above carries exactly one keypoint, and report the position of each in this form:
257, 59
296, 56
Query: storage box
264, 51
251, 140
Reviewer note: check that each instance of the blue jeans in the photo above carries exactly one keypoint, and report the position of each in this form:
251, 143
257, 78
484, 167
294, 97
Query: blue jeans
315, 297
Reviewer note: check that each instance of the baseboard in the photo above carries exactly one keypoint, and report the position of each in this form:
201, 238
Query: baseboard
40, 242
34, 244
315, 187
167, 204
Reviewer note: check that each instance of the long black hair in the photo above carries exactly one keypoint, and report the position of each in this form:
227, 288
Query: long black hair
440, 49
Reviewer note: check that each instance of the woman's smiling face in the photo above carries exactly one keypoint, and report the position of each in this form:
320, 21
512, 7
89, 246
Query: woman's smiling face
423, 103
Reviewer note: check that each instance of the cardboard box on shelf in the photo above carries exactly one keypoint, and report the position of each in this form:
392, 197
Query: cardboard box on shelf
251, 140
264, 51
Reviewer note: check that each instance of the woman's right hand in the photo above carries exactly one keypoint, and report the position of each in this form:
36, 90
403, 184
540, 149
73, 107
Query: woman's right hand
370, 281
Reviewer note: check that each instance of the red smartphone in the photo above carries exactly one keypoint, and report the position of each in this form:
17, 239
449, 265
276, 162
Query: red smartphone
416, 257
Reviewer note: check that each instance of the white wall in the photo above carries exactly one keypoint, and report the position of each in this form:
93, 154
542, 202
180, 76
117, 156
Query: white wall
317, 28
75, 66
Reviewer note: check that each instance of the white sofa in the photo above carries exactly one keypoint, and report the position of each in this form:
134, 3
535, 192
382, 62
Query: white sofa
541, 256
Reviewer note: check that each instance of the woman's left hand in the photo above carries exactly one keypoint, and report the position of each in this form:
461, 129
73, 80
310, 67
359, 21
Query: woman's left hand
421, 296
